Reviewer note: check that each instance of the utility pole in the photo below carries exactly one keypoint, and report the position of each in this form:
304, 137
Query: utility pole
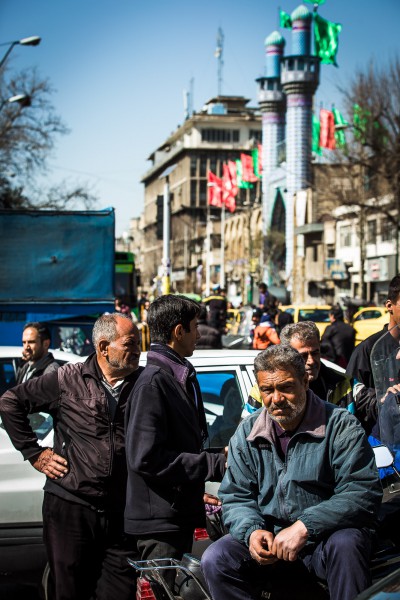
219, 51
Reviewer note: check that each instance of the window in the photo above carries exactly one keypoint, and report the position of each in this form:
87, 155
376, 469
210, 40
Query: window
371, 232
220, 135
388, 231
193, 166
345, 236
255, 135
223, 404
7, 374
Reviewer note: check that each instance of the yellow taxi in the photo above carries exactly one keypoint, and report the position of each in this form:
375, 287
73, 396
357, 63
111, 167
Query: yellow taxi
317, 313
369, 320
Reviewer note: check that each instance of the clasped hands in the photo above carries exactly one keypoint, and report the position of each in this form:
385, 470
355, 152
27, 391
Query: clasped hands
266, 548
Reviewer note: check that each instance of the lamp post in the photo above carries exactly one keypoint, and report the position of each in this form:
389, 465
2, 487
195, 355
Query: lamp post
21, 99
33, 40
166, 259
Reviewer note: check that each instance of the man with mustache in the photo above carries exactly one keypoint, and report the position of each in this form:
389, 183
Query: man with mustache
301, 492
35, 352
85, 470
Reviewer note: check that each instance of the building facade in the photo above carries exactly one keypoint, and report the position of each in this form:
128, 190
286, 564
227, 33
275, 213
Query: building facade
221, 131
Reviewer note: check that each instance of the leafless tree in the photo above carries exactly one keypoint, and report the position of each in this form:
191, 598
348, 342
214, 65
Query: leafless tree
28, 135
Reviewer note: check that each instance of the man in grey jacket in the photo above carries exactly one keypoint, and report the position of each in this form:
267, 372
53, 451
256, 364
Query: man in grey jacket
301, 492
35, 352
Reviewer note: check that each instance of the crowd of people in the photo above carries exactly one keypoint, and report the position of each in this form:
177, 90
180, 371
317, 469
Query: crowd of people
126, 474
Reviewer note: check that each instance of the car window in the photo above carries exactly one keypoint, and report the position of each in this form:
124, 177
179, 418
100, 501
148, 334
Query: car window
223, 404
41, 423
318, 315
369, 314
7, 374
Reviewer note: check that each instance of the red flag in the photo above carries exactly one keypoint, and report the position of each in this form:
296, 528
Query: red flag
247, 168
260, 159
229, 187
214, 190
327, 129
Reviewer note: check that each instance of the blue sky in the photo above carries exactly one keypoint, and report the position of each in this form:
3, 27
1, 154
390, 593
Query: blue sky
119, 68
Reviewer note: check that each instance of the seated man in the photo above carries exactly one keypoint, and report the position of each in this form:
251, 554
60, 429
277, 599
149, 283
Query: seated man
301, 486
326, 383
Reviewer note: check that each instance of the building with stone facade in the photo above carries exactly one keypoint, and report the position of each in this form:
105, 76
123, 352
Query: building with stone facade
223, 129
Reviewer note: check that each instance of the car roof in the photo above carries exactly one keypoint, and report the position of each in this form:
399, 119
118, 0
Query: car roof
222, 356
15, 352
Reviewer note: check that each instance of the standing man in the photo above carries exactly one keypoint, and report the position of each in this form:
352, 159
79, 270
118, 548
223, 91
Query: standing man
301, 485
359, 367
86, 468
35, 352
338, 339
209, 336
267, 301
218, 309
166, 431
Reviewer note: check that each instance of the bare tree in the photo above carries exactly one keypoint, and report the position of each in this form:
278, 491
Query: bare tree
364, 176
28, 134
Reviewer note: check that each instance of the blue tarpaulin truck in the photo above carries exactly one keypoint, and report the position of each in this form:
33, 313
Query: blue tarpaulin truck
55, 266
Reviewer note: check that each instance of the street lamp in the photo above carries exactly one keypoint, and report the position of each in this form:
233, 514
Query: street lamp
33, 40
21, 99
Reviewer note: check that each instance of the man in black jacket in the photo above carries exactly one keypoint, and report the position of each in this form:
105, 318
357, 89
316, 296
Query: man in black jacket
338, 339
35, 352
166, 431
86, 468
359, 368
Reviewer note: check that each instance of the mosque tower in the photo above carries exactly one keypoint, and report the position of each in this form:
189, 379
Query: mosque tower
272, 103
299, 79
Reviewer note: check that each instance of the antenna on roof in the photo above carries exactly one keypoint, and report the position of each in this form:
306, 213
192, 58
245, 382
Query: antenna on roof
219, 55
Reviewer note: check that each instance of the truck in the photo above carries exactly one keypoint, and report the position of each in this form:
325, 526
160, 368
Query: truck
57, 267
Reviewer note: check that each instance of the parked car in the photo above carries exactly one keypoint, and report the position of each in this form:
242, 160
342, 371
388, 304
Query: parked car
369, 320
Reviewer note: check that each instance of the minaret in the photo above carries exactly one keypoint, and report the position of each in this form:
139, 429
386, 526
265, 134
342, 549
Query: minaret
272, 102
299, 78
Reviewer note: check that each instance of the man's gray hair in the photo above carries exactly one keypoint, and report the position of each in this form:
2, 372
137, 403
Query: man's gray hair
305, 331
105, 328
280, 358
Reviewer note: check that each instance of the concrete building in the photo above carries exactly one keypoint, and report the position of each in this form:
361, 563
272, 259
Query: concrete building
219, 132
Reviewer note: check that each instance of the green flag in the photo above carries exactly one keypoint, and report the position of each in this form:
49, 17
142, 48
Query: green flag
315, 136
326, 39
240, 183
284, 20
340, 126
319, 2
256, 162
360, 122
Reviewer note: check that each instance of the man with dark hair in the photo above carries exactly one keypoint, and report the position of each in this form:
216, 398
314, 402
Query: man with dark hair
267, 301
35, 352
86, 468
217, 309
210, 337
359, 368
301, 492
165, 434
338, 339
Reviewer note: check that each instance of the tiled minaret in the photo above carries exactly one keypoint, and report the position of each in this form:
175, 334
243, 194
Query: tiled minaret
299, 79
272, 102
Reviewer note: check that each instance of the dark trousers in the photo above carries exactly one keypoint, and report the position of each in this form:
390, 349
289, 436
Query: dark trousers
342, 560
162, 545
87, 552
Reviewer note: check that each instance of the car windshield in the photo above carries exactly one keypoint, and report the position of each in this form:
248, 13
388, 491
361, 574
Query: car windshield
318, 315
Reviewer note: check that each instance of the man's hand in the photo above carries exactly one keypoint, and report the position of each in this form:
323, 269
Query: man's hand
49, 463
211, 499
288, 542
260, 547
